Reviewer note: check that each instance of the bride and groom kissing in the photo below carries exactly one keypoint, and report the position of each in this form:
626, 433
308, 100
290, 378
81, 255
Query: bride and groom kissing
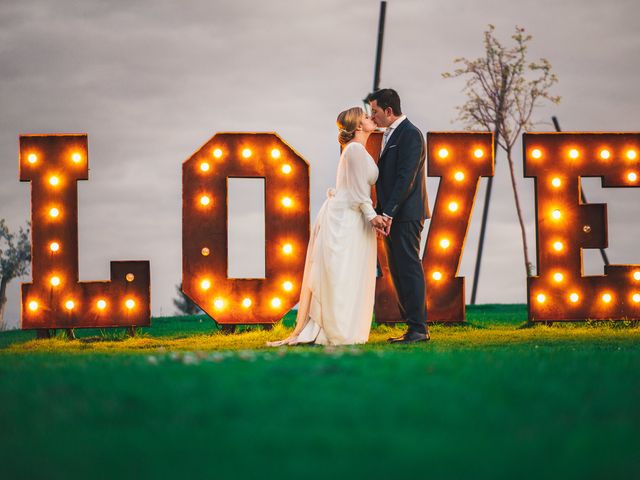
339, 280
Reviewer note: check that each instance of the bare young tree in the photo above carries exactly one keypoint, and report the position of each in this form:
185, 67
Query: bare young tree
503, 88
15, 258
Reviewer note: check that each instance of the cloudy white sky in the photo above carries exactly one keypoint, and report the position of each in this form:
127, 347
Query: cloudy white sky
151, 81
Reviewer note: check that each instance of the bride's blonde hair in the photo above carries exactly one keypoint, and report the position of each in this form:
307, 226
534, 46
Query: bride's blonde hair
347, 123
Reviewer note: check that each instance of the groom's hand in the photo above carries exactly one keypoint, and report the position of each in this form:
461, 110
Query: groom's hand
387, 224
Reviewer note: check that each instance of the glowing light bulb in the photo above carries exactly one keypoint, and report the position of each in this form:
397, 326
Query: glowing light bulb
558, 246
205, 200
541, 298
556, 214
76, 157
33, 305
276, 302
286, 169
605, 154
130, 303
558, 277
205, 252
632, 154
574, 297
130, 277
55, 281
636, 275
437, 276
287, 248
636, 297
218, 303
275, 153
478, 153
288, 286
246, 153
246, 303
217, 153
632, 176
54, 246
287, 202
459, 176
32, 158
205, 284
204, 166
54, 212
101, 304
556, 182
453, 206
54, 181
69, 304
573, 153
443, 153
444, 243
606, 298
536, 153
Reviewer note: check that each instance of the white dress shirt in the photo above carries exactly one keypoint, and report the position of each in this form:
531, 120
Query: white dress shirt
390, 129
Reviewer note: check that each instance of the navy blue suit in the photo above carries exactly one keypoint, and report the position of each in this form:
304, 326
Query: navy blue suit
402, 194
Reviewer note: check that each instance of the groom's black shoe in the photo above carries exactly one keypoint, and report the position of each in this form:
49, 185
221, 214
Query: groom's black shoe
411, 337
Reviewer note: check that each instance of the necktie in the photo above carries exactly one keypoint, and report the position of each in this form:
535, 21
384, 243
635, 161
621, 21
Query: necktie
385, 137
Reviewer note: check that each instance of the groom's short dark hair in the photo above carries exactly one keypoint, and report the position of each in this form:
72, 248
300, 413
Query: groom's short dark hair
386, 97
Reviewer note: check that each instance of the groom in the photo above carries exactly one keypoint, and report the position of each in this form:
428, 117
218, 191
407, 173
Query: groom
402, 208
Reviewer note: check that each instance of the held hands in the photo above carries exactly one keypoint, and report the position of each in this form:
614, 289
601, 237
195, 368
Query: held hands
381, 224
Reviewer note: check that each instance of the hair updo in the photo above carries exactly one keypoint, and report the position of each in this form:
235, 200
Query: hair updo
347, 123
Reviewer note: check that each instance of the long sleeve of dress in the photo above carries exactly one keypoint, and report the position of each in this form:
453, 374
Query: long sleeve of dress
357, 176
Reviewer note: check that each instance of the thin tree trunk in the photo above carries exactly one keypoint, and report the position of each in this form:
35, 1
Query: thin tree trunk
3, 300
527, 264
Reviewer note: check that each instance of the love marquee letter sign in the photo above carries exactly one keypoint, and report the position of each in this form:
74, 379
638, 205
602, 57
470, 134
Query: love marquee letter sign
204, 227
459, 159
565, 226
55, 298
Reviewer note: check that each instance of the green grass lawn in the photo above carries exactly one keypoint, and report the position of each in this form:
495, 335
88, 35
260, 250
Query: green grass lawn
490, 399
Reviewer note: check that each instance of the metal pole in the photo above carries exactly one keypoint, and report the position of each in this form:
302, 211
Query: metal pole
483, 228
376, 73
605, 258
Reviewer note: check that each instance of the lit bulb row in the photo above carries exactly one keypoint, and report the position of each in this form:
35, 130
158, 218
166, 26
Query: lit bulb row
70, 304
558, 277
205, 201
221, 303
604, 154
286, 168
76, 157
573, 154
574, 297
444, 153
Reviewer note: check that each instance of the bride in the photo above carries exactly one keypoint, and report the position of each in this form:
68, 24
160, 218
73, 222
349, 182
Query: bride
338, 286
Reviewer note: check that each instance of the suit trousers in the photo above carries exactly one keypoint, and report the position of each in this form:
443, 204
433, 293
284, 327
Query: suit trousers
403, 250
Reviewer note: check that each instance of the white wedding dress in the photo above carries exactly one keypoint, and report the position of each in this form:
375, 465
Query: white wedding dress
338, 286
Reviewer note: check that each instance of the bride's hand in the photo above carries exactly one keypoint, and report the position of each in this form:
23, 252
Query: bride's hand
381, 232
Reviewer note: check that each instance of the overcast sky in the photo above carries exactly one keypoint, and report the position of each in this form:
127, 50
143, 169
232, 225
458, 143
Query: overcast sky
151, 81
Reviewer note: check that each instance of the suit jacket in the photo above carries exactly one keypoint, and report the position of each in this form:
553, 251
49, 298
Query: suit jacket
401, 187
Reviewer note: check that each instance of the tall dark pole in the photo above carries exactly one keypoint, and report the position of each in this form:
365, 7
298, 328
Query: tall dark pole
376, 73
605, 258
483, 229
